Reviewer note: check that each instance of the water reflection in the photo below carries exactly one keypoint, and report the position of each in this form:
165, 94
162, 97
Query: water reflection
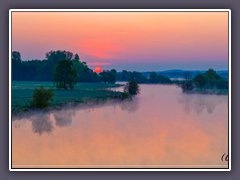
45, 122
161, 127
41, 123
130, 106
199, 102
63, 118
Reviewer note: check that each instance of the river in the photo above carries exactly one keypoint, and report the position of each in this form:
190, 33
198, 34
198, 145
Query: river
160, 128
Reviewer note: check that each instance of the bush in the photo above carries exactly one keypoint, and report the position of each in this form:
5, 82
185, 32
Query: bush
210, 80
132, 88
187, 86
125, 95
42, 97
222, 84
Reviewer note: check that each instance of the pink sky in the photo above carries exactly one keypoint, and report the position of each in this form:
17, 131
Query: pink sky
126, 40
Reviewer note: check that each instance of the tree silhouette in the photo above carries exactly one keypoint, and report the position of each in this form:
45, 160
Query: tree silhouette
65, 75
42, 97
153, 78
132, 88
108, 76
187, 86
16, 56
76, 57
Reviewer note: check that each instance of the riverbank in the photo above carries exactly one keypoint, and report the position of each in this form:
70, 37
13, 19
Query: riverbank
208, 91
83, 93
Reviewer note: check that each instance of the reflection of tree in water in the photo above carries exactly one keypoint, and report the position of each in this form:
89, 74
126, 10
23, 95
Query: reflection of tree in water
130, 105
63, 118
41, 123
200, 102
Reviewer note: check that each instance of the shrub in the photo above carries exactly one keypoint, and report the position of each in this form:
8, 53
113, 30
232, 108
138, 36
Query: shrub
42, 97
187, 86
132, 88
210, 80
125, 95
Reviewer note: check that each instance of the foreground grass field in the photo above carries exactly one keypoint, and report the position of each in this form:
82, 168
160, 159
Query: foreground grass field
22, 93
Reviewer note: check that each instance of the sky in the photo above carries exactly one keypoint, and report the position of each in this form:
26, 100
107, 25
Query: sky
140, 41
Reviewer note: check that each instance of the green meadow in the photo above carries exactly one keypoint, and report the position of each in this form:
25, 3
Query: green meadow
22, 92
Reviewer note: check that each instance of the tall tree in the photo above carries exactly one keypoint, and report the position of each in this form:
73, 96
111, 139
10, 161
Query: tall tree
52, 59
16, 65
65, 75
55, 56
108, 76
16, 56
76, 57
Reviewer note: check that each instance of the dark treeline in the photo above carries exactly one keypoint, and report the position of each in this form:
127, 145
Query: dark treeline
139, 77
44, 70
208, 80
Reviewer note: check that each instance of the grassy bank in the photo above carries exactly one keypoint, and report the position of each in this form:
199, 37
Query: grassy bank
22, 94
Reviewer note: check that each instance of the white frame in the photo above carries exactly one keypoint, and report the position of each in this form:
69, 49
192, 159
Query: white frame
119, 10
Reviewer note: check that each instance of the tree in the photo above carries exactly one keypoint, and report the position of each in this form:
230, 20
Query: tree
211, 74
108, 76
76, 57
163, 79
42, 97
132, 88
113, 76
124, 76
16, 56
200, 80
104, 76
46, 71
210, 80
138, 77
127, 76
153, 78
55, 56
84, 73
65, 75
158, 78
16, 65
187, 75
187, 86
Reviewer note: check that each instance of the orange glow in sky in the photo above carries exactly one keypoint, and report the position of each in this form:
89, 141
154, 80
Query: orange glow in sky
126, 39
98, 69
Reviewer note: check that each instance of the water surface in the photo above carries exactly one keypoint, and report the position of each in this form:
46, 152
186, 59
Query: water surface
161, 127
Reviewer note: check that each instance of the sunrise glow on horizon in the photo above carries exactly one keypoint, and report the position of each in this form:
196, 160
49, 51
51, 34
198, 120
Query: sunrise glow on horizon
126, 40
98, 69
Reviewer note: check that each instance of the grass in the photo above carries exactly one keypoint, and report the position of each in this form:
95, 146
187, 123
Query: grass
83, 92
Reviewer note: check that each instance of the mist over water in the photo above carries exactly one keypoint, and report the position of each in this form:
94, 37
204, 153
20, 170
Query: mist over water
161, 127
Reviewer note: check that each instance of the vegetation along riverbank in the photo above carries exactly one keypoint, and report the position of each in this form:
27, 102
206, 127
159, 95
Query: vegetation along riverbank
22, 93
63, 78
